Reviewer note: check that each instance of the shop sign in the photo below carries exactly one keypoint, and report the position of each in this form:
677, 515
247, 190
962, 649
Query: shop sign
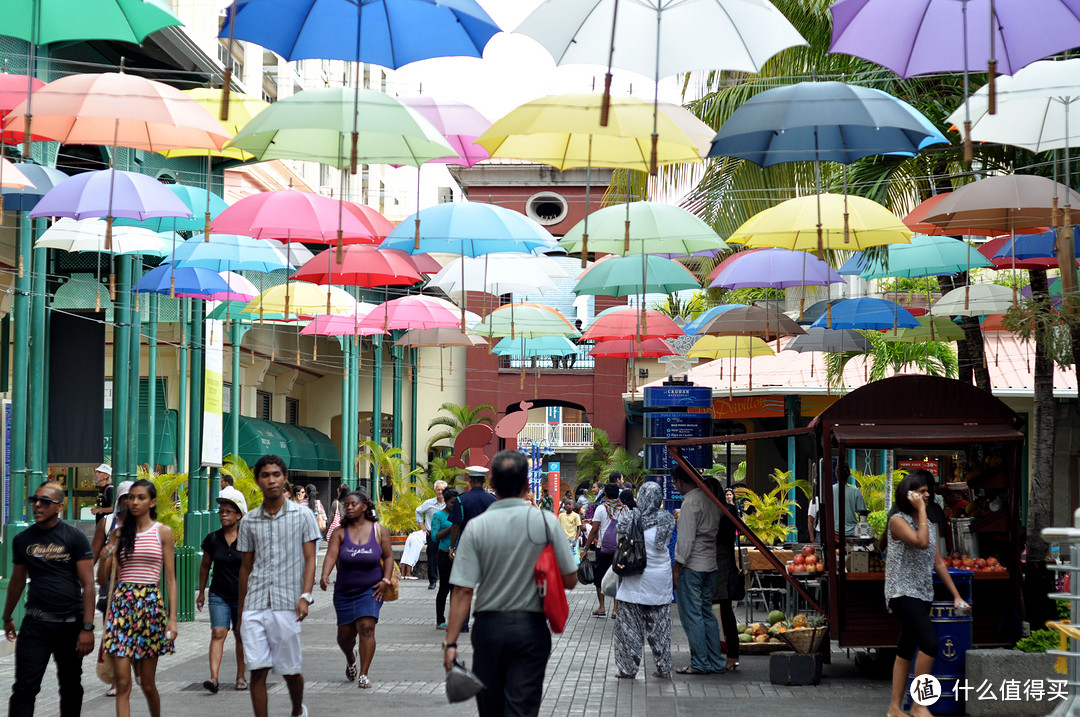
678, 396
748, 407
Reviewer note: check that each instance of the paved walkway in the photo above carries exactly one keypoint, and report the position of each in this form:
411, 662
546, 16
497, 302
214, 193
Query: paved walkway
407, 675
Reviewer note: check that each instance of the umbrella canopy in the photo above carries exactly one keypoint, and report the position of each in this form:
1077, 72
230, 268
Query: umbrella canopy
564, 131
525, 321
776, 269
41, 179
643, 228
228, 252
498, 274
794, 225
867, 313
293, 215
379, 224
818, 338
197, 200
360, 265
382, 32
241, 109
110, 193
240, 289
916, 219
460, 124
626, 275
468, 229
924, 256
300, 299
340, 325
751, 321
13, 89
816, 311
656, 38
44, 22
1033, 108
1029, 246
715, 347
439, 338
1002, 203
79, 235
521, 347
83, 109
709, 315
992, 247
823, 121
190, 281
977, 300
317, 125
11, 176
413, 312
930, 328
925, 36
621, 322
631, 348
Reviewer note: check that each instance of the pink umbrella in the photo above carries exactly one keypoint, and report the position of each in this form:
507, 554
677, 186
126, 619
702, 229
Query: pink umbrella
629, 348
339, 325
380, 224
13, 90
412, 312
360, 265
240, 289
290, 214
460, 123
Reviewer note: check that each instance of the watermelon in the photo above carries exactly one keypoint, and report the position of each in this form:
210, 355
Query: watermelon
745, 638
776, 616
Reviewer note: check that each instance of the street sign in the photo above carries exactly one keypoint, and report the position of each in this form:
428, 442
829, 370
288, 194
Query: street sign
678, 425
657, 457
678, 396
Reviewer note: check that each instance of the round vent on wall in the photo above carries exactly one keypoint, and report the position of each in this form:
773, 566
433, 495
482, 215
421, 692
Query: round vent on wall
547, 208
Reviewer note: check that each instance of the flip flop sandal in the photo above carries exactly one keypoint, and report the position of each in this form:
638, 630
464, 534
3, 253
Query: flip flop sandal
350, 669
111, 692
599, 613
241, 684
690, 671
210, 686
364, 683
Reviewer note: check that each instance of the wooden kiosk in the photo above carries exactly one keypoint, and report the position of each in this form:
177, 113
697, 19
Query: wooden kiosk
927, 415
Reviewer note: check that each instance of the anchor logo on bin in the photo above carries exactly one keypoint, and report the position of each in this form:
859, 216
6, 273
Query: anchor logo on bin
949, 650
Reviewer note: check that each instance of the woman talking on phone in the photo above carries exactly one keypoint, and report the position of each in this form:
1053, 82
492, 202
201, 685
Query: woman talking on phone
909, 585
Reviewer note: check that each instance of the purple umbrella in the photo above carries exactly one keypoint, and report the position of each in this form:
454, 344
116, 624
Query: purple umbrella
110, 193
776, 269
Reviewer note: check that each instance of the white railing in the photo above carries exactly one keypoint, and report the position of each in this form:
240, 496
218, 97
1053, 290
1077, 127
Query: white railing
559, 435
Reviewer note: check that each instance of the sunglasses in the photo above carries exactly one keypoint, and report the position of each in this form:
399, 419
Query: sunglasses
35, 499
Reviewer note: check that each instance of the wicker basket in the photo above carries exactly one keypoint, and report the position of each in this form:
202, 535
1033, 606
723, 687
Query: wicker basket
805, 640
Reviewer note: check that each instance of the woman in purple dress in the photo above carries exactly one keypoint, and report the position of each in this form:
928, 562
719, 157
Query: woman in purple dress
361, 550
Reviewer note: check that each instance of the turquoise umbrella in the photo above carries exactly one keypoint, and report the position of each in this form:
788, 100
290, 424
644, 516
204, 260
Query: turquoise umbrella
203, 205
924, 256
539, 346
623, 276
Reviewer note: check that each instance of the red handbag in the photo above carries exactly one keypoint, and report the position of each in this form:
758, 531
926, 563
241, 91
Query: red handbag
549, 583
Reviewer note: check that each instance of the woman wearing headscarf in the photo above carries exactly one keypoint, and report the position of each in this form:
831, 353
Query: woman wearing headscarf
645, 599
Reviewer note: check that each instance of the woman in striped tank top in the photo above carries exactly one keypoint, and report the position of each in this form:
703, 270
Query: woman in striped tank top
137, 626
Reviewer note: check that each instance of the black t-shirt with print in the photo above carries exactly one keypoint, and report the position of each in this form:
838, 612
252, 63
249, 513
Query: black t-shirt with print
50, 557
226, 562
104, 500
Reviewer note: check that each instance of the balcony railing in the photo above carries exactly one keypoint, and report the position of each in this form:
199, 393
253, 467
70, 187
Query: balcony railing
559, 435
581, 361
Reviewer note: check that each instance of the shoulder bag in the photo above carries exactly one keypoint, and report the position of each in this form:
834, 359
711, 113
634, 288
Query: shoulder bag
630, 558
105, 667
549, 581
736, 584
393, 590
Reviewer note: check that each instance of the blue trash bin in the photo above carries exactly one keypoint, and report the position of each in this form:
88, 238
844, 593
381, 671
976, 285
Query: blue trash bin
954, 640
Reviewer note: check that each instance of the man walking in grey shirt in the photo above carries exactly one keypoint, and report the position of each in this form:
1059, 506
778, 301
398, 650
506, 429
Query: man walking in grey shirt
694, 575
496, 559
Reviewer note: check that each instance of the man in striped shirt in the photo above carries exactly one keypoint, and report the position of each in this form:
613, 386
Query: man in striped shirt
276, 579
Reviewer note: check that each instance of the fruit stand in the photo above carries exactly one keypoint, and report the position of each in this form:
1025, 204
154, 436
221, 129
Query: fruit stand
976, 438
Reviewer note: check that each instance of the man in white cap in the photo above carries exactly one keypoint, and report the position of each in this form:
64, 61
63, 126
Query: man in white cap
470, 504
104, 506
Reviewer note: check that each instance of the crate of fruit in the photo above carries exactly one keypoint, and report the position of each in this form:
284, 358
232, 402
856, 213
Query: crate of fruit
755, 560
805, 640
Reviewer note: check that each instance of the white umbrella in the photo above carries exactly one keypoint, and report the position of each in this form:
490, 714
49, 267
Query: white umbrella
1038, 108
295, 251
977, 300
80, 235
497, 274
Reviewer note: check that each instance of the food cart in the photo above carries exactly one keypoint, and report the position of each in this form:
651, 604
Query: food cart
931, 416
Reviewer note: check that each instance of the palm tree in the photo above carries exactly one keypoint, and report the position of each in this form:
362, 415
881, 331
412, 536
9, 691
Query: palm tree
593, 462
632, 467
935, 358
456, 419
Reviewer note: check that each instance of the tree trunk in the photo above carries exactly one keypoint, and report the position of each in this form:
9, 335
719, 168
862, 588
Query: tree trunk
1040, 492
971, 352
1074, 335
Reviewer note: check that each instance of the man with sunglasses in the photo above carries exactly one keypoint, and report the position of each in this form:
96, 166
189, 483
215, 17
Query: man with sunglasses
59, 621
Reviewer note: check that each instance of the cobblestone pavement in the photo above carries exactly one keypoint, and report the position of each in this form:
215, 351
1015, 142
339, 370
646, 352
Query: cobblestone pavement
407, 674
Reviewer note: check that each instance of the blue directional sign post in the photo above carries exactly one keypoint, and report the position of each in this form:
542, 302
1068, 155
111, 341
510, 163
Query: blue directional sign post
668, 416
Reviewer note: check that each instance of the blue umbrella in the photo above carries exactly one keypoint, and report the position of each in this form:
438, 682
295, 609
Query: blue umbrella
693, 326
167, 279
195, 199
816, 310
1031, 246
468, 229
227, 252
25, 199
867, 313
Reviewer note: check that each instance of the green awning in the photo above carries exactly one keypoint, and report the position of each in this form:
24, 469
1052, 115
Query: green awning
302, 452
302, 448
329, 457
165, 442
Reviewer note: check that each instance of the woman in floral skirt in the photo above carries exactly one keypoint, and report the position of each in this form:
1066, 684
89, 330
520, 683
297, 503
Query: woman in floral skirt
137, 626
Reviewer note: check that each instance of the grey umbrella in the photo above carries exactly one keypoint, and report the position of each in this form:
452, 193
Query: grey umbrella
830, 341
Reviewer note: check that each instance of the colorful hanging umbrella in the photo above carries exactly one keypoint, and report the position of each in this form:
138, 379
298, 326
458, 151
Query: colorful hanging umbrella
412, 312
88, 235
621, 322
379, 224
198, 201
468, 229
1002, 203
460, 124
84, 109
340, 325
41, 179
240, 289
868, 313
189, 281
715, 347
315, 126
110, 193
498, 274
43, 22
439, 338
360, 265
924, 256
708, 315
776, 269
751, 321
1033, 246
916, 220
626, 275
816, 310
818, 338
13, 90
525, 321
794, 224
522, 347
630, 348
293, 216
297, 254
643, 228
299, 299
930, 328
228, 252
241, 108
11, 177
992, 247
977, 300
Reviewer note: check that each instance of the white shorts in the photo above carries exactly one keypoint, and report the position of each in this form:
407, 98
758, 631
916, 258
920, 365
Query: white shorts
271, 639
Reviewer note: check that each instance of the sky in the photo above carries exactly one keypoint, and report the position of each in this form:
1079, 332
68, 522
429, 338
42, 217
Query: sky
516, 69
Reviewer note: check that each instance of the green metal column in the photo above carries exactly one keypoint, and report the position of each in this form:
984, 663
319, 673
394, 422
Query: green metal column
354, 411
20, 316
5, 353
135, 373
182, 381
414, 355
376, 398
151, 387
35, 455
396, 352
347, 380
236, 331
791, 409
121, 370
196, 521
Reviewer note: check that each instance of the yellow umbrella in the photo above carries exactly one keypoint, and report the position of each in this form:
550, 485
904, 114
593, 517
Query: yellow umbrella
564, 131
731, 347
242, 108
299, 299
794, 224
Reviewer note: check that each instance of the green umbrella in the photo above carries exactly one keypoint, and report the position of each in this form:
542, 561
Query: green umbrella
643, 228
528, 320
924, 256
317, 126
42, 22
626, 275
942, 329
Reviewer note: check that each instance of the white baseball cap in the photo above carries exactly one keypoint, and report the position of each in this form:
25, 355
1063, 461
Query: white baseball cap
124, 488
230, 494
104, 468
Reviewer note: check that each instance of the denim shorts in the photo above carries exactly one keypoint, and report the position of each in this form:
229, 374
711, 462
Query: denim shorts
223, 613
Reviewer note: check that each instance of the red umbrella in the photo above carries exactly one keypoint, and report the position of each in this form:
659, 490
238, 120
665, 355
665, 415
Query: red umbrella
992, 247
360, 265
620, 323
13, 90
628, 348
293, 215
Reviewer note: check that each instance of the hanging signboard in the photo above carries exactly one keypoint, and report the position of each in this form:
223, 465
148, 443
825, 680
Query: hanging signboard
658, 458
678, 425
678, 396
213, 390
